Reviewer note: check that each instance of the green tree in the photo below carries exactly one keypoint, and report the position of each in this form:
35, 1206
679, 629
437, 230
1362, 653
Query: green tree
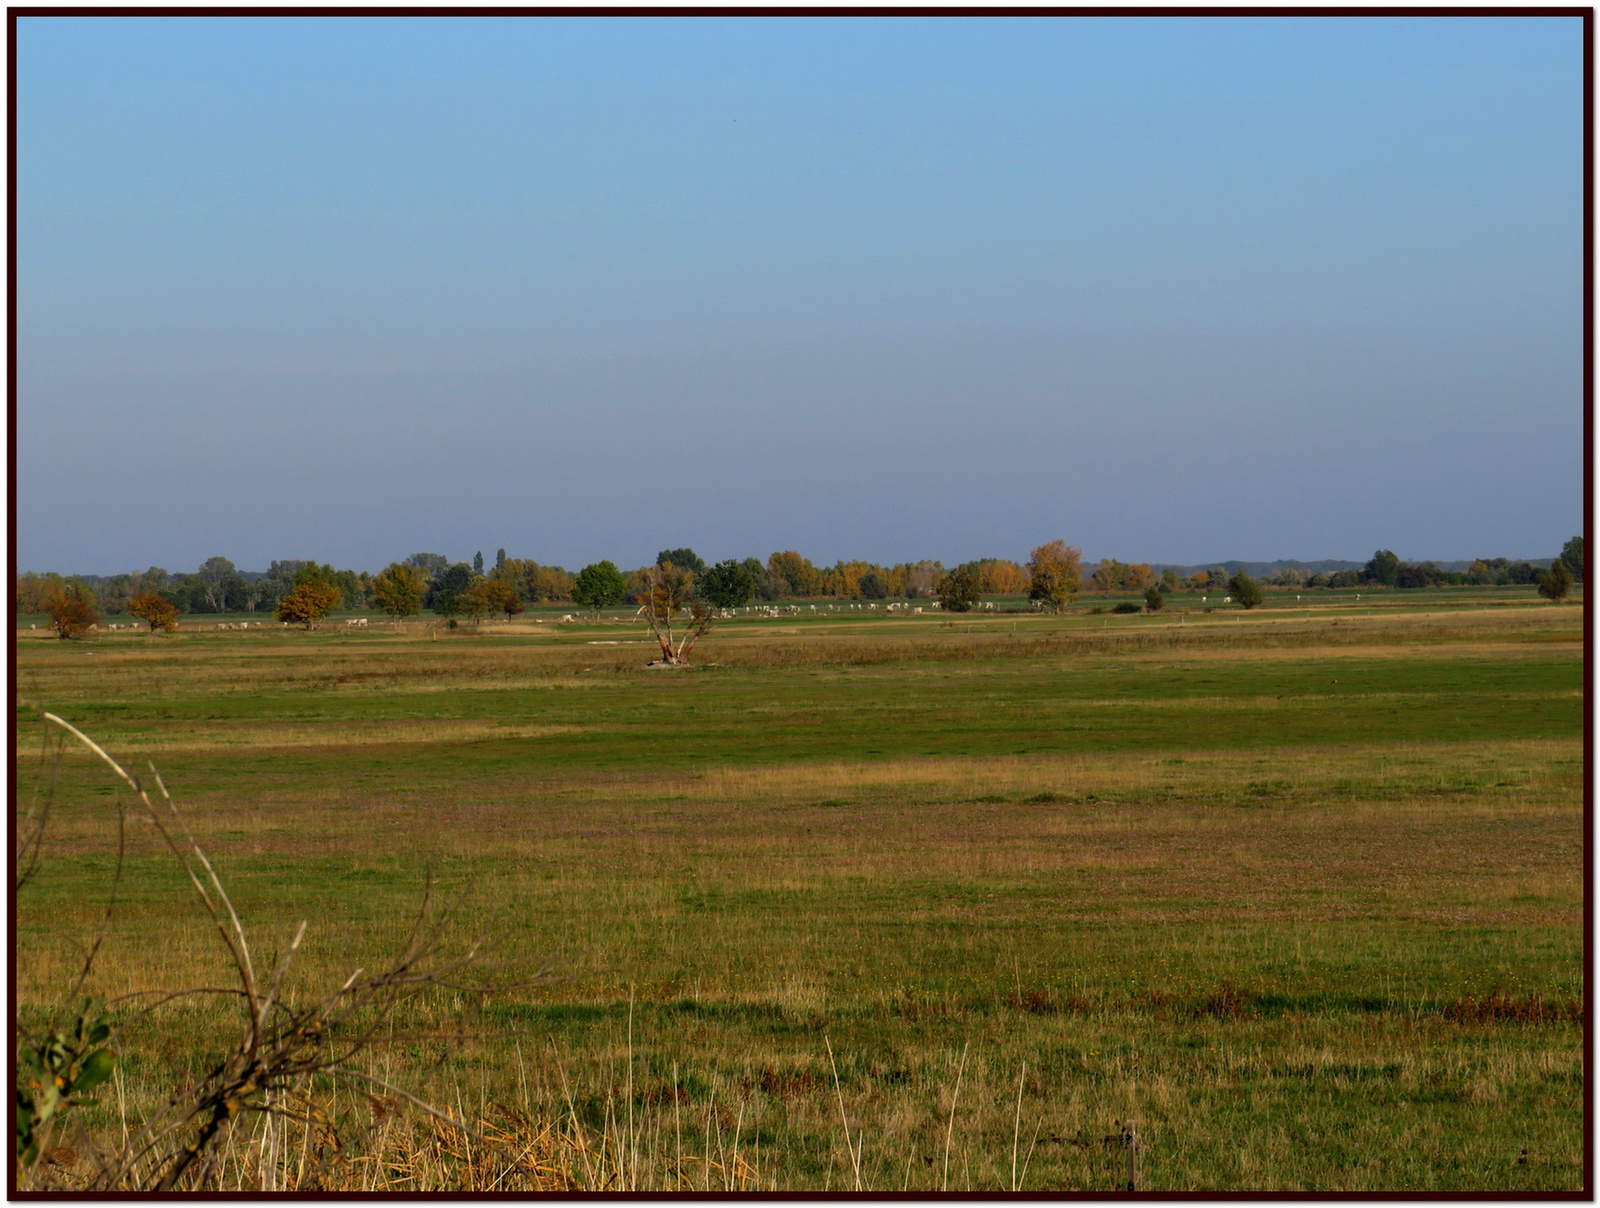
214, 578
1246, 591
728, 584
398, 590
278, 583
429, 564
446, 603
1384, 568
683, 559
1410, 576
1153, 599
1555, 583
352, 592
958, 591
597, 585
1572, 555
872, 586
325, 576
475, 602
1107, 576
477, 563
454, 578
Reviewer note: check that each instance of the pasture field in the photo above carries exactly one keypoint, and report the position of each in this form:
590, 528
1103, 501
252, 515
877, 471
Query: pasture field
1299, 891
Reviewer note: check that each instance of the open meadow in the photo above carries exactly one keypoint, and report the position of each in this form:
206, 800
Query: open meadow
1298, 891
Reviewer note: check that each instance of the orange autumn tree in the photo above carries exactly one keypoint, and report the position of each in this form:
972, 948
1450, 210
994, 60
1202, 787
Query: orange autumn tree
1055, 573
308, 603
1138, 576
156, 611
490, 595
71, 614
1001, 577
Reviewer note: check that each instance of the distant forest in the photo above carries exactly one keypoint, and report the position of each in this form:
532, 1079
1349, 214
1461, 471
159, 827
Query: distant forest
219, 587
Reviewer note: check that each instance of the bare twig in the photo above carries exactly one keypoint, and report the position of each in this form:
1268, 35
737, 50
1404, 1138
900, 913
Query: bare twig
280, 1046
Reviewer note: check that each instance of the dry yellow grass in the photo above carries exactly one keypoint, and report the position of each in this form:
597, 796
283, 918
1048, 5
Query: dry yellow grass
1270, 946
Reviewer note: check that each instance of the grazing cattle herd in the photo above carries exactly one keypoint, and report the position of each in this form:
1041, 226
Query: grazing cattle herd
899, 607
753, 610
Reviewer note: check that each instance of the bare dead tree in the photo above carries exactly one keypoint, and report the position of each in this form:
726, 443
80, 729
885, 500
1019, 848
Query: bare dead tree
667, 597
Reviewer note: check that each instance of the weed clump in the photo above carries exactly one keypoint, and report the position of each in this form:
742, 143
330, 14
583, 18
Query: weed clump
1500, 1007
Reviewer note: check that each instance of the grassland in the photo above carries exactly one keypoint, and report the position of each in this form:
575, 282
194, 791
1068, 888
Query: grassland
1300, 890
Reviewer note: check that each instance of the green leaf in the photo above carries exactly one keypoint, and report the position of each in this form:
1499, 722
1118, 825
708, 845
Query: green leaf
97, 1067
99, 1032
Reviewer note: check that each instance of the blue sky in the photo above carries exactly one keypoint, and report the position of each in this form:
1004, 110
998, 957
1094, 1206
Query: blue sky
1172, 289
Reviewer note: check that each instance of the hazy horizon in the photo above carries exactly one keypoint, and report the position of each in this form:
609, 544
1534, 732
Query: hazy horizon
883, 288
489, 557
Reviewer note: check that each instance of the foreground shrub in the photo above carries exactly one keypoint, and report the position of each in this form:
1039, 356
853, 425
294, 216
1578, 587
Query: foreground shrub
280, 1047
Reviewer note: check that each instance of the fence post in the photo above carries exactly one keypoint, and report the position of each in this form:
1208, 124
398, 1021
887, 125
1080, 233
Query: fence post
1133, 1148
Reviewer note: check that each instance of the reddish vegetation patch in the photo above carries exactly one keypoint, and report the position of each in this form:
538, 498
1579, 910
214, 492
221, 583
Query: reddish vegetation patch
784, 1084
1045, 1002
1500, 1007
1230, 1002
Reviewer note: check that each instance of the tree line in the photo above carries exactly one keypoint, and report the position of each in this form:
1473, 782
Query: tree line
302, 591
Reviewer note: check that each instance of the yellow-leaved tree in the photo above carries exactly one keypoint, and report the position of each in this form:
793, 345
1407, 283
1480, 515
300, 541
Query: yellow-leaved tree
155, 611
1055, 574
308, 603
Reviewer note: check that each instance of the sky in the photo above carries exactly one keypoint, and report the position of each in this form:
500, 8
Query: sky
1173, 289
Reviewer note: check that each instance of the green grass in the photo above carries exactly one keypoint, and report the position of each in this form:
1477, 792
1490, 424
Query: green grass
1249, 879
